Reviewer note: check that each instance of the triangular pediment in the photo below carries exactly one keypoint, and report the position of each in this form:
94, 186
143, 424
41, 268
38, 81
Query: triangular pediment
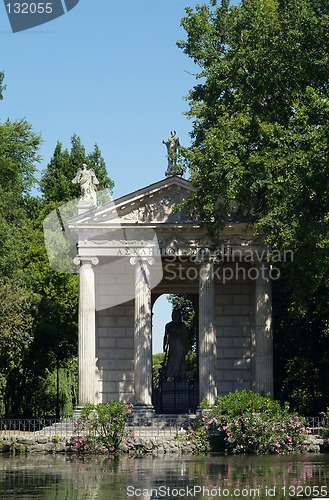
154, 204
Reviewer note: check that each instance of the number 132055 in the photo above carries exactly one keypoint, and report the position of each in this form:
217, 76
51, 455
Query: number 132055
29, 8
305, 491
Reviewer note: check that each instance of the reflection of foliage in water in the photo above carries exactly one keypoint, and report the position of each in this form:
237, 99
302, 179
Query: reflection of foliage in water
68, 477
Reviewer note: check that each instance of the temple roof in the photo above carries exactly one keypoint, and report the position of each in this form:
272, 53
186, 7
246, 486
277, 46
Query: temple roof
152, 204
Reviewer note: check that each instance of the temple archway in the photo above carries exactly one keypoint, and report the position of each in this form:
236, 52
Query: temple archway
176, 392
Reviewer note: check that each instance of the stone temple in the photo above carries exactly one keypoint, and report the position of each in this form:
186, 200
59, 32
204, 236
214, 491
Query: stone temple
140, 246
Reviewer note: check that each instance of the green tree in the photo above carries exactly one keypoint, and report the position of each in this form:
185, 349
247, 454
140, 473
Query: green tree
56, 181
38, 317
260, 116
54, 346
260, 113
157, 365
18, 157
57, 388
17, 317
54, 343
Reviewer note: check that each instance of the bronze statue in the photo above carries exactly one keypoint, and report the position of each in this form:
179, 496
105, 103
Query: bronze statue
172, 148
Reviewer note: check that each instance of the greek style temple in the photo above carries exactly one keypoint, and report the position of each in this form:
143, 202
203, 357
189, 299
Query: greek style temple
140, 246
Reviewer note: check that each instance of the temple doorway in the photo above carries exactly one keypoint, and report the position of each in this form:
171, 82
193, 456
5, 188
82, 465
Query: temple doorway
175, 366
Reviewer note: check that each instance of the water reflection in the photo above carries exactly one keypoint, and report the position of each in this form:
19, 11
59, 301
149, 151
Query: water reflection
166, 477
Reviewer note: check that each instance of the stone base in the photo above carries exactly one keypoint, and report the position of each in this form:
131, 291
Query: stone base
142, 412
77, 412
174, 171
85, 205
199, 412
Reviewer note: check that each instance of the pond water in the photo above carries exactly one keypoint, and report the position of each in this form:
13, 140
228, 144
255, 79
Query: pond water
58, 477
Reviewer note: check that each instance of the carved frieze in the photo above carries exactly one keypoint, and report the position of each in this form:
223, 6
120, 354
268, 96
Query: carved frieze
160, 210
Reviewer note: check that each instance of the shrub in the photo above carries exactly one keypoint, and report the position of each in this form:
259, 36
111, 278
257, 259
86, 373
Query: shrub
101, 428
240, 402
245, 422
197, 433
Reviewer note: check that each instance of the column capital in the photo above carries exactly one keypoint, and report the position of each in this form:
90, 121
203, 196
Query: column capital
141, 260
78, 260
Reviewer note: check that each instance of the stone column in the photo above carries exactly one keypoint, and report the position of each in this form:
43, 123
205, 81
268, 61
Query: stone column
207, 334
262, 335
87, 316
143, 335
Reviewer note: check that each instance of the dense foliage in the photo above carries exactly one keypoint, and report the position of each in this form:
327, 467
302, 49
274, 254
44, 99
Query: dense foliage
38, 311
260, 139
157, 367
245, 422
101, 428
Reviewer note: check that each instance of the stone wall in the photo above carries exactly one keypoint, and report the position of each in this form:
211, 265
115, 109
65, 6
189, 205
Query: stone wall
233, 319
115, 353
134, 445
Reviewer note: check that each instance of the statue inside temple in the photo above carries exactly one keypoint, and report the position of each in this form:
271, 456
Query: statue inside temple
175, 346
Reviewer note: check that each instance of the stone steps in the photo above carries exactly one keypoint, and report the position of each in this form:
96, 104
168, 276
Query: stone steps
161, 426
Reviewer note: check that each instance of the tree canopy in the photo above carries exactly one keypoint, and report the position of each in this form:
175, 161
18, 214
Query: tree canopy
260, 115
38, 313
260, 112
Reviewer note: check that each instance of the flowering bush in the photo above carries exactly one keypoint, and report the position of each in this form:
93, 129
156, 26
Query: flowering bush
101, 428
245, 422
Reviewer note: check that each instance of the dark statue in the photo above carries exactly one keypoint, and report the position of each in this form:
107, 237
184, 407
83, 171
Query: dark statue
175, 346
172, 145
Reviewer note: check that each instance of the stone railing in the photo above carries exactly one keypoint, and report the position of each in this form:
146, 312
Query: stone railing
316, 424
18, 427
159, 427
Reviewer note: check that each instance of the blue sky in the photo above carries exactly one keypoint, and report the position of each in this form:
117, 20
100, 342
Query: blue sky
110, 72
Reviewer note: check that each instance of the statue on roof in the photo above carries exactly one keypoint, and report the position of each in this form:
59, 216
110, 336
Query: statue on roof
172, 145
88, 182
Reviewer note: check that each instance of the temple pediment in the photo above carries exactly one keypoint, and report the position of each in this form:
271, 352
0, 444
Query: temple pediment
153, 204
150, 220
